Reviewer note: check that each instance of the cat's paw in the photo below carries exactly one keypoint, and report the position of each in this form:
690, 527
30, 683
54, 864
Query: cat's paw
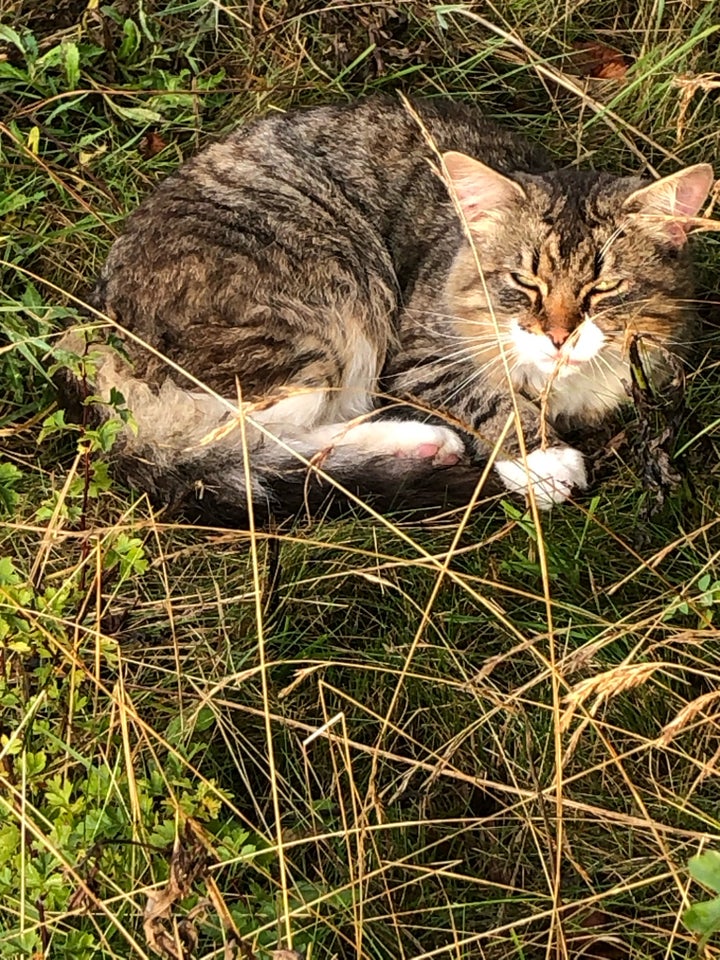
409, 439
413, 440
553, 473
424, 441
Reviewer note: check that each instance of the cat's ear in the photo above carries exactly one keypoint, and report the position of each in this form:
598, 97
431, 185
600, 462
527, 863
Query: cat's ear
484, 194
668, 206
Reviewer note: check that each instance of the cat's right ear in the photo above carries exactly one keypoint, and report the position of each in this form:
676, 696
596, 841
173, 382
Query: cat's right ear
484, 195
669, 206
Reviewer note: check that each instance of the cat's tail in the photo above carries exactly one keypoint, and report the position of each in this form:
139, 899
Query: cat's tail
187, 450
210, 486
191, 452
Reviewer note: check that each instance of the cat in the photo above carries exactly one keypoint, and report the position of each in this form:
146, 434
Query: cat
388, 316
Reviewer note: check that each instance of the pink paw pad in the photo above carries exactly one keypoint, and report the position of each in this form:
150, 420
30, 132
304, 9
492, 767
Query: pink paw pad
429, 451
426, 451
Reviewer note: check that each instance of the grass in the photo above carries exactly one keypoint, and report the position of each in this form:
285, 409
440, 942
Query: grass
353, 738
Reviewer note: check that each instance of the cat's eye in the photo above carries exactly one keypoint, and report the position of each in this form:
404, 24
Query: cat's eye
525, 281
607, 286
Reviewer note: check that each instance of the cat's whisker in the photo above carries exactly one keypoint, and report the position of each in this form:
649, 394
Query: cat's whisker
483, 367
690, 342
606, 247
490, 337
478, 372
489, 341
447, 320
599, 361
696, 301
602, 359
466, 321
466, 355
471, 349
452, 317
432, 329
475, 375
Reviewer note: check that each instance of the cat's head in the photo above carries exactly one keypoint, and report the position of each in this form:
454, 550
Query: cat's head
570, 264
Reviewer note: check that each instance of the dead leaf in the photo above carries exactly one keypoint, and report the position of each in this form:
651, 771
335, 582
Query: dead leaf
98, 28
187, 932
597, 61
235, 946
659, 415
237, 950
596, 939
285, 955
85, 157
689, 85
188, 862
152, 143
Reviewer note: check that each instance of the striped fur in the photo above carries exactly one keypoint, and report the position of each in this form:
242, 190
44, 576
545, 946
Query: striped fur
314, 267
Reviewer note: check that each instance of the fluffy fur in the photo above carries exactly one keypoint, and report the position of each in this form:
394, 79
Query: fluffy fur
380, 320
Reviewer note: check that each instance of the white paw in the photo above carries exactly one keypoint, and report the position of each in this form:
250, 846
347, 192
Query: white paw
397, 438
421, 441
553, 473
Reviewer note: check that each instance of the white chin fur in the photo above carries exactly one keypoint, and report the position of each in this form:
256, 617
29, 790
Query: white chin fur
579, 389
552, 473
533, 349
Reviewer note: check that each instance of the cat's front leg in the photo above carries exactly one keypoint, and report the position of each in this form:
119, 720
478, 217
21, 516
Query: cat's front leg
551, 468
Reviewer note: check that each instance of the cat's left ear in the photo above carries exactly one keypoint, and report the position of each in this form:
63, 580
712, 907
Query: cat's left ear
671, 203
484, 194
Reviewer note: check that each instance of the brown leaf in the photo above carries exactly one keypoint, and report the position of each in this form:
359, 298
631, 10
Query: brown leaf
235, 950
596, 939
98, 28
597, 948
187, 931
285, 955
597, 61
152, 143
235, 946
187, 863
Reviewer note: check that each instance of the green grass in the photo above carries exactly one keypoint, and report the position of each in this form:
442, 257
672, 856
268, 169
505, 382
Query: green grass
498, 744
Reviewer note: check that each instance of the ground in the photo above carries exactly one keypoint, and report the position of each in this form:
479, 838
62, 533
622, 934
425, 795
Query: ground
486, 736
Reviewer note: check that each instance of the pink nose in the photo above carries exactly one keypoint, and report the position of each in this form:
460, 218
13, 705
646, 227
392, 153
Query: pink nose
558, 335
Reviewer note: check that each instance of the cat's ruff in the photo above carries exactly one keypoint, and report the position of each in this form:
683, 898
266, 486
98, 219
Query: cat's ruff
377, 323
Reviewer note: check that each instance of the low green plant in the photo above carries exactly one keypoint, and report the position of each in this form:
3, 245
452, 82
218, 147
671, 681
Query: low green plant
703, 917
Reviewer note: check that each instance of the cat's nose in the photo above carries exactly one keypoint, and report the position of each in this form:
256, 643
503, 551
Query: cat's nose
558, 336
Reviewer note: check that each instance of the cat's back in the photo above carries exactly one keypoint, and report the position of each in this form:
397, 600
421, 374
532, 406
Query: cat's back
372, 155
301, 216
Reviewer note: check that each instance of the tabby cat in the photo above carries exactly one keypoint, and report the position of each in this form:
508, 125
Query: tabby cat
389, 324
